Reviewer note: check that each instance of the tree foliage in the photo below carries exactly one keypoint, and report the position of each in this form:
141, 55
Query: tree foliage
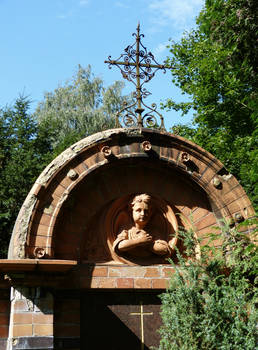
211, 301
216, 65
24, 152
29, 142
81, 107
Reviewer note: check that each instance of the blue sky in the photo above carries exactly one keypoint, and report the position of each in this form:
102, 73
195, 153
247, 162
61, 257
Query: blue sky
43, 41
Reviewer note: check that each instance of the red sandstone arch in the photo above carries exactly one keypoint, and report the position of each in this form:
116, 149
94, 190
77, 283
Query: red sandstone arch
71, 196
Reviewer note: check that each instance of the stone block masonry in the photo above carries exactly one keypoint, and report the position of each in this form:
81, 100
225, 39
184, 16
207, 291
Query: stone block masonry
4, 317
49, 317
125, 277
67, 311
31, 319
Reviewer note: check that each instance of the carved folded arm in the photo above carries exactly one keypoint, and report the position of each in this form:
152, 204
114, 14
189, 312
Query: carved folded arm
128, 244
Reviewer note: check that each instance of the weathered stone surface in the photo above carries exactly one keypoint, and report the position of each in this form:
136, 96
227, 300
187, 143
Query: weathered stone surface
35, 343
21, 228
3, 344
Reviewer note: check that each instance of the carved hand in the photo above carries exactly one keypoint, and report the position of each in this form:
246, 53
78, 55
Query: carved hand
160, 247
127, 244
144, 239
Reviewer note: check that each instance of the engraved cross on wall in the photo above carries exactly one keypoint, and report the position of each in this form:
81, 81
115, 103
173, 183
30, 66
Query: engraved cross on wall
141, 314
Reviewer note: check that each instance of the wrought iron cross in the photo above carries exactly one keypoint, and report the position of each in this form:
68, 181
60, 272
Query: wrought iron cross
139, 67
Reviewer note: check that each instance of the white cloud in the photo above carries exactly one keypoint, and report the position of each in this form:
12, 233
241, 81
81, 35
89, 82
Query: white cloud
179, 14
158, 51
68, 12
65, 15
121, 4
84, 2
62, 16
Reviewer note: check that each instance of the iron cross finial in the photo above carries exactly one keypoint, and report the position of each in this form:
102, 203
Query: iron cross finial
139, 67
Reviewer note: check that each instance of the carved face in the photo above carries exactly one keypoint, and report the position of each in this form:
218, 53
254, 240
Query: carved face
141, 213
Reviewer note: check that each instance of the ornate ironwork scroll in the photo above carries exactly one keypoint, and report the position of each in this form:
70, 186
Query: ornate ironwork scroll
138, 66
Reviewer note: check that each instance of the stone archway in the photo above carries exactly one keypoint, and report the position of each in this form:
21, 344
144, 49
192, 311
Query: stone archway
62, 247
106, 166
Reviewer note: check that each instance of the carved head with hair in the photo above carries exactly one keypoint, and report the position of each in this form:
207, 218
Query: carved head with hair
141, 198
141, 209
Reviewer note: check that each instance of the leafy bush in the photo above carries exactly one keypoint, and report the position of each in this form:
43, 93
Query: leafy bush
210, 303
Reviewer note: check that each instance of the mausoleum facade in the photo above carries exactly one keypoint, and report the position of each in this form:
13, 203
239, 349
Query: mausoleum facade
90, 249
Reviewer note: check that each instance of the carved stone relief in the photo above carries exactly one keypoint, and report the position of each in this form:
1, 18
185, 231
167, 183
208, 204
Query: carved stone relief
141, 229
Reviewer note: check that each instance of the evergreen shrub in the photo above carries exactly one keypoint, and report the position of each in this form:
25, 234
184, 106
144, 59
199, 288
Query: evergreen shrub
210, 303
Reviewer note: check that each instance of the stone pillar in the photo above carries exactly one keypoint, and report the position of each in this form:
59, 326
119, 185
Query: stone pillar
4, 316
31, 319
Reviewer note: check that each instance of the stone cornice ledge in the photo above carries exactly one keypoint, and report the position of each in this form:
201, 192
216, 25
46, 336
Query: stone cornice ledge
25, 265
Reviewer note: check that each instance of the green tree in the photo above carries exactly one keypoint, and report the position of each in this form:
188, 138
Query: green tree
215, 64
24, 152
211, 301
81, 107
29, 142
